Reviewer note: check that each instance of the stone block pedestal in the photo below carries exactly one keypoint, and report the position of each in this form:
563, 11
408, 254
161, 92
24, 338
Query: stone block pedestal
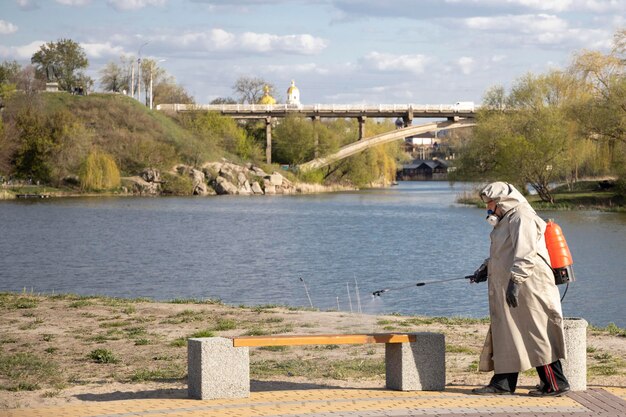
216, 369
417, 366
575, 366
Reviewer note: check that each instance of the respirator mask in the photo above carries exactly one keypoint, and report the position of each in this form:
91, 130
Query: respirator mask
492, 219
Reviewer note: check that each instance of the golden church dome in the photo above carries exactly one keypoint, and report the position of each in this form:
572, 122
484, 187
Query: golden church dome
267, 99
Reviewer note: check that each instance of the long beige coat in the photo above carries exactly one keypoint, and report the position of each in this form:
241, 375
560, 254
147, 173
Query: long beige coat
530, 334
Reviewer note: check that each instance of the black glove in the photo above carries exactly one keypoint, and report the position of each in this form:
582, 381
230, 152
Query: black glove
512, 294
480, 275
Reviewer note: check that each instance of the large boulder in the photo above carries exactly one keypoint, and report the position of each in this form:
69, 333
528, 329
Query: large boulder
223, 186
137, 185
256, 188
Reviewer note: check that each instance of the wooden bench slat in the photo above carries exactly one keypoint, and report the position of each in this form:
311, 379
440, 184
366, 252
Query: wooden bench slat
322, 339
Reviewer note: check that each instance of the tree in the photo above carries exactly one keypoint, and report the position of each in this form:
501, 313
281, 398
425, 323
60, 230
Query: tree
114, 77
99, 172
250, 90
294, 141
223, 100
61, 61
530, 141
150, 70
168, 91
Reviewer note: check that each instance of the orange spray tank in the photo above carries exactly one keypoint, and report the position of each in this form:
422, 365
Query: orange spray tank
560, 256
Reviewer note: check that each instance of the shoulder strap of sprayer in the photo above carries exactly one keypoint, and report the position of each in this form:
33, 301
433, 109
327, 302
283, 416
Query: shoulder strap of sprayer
554, 273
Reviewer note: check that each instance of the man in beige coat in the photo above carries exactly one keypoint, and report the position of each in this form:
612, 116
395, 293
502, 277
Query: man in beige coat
524, 307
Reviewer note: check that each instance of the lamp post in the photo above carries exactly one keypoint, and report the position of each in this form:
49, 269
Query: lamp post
139, 70
152, 69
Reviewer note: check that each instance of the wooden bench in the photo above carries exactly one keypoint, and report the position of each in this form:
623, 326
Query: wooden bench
219, 367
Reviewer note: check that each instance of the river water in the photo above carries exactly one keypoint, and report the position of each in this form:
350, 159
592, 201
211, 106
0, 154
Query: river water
334, 248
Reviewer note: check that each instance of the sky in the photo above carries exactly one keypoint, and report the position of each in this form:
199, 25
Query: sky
336, 51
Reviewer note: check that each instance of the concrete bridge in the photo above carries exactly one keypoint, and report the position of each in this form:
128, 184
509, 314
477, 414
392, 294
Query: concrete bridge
404, 113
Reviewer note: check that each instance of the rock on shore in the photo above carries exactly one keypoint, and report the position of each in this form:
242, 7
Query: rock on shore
225, 178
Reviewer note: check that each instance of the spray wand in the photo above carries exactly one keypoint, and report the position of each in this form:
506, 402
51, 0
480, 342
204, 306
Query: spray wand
416, 284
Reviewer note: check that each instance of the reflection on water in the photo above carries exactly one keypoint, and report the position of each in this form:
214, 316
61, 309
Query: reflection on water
247, 250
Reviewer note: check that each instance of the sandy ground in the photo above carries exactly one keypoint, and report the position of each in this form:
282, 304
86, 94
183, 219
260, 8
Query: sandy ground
47, 348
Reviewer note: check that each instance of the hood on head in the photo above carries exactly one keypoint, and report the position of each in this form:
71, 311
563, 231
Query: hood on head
504, 194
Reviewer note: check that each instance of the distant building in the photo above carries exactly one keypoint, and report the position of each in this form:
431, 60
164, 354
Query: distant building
421, 169
293, 94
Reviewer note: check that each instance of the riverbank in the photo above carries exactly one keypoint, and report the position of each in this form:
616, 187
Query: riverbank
596, 194
66, 348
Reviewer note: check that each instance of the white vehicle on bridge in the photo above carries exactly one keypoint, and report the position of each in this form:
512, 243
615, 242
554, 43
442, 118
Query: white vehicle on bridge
463, 106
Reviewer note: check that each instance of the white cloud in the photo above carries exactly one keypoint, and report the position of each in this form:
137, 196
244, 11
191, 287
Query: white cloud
541, 29
20, 52
124, 5
99, 50
466, 64
528, 23
27, 4
285, 70
388, 62
263, 43
498, 58
73, 2
6, 28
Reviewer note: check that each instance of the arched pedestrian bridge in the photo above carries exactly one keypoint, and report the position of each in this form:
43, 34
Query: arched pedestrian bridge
398, 134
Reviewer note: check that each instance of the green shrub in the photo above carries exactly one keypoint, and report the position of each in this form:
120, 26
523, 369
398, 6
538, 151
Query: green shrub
102, 356
176, 184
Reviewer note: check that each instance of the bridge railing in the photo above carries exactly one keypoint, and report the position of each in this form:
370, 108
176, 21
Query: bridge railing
316, 108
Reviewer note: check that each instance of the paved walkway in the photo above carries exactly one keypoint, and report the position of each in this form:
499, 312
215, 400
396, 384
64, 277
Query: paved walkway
454, 401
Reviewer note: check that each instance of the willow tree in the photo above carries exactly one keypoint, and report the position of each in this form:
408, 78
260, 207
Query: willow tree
602, 116
523, 137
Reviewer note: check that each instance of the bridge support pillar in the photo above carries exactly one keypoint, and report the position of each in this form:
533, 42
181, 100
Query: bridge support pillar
408, 118
268, 139
316, 135
361, 120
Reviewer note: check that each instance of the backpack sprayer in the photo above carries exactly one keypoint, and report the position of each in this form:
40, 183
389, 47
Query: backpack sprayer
560, 261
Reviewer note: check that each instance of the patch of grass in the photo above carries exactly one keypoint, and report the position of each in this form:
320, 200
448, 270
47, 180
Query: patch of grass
256, 331
195, 301
129, 310
274, 320
179, 342
47, 337
167, 374
202, 333
605, 370
225, 324
185, 316
459, 349
384, 322
473, 367
133, 332
114, 324
274, 348
102, 356
80, 304
51, 350
141, 342
313, 368
14, 303
591, 349
26, 371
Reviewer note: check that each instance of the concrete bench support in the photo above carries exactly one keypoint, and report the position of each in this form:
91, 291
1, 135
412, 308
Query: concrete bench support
220, 368
417, 366
216, 369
